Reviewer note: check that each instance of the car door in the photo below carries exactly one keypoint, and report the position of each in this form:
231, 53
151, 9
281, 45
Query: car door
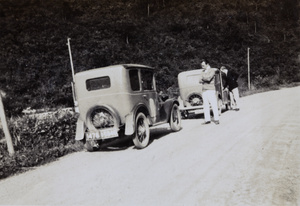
149, 92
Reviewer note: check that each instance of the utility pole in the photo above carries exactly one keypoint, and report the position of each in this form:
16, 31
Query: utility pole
5, 128
248, 54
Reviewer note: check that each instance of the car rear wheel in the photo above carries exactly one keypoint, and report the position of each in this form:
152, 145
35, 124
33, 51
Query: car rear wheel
175, 118
195, 100
142, 132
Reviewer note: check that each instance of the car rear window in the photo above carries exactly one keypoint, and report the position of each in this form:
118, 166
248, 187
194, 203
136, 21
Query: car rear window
134, 80
98, 83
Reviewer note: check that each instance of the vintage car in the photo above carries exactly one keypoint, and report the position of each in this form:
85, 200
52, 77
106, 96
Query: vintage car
190, 90
119, 101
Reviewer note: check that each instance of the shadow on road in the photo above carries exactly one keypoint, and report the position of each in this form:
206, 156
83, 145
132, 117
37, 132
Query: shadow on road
120, 144
156, 133
117, 144
201, 115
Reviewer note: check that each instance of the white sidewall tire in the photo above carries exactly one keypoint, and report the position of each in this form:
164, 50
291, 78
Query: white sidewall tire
175, 118
141, 135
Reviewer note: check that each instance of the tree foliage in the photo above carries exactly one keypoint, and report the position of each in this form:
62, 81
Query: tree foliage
172, 36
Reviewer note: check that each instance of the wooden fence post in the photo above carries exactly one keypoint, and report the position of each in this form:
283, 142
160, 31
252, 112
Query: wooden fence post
5, 128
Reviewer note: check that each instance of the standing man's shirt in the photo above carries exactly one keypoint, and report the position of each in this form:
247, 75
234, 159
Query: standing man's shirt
207, 79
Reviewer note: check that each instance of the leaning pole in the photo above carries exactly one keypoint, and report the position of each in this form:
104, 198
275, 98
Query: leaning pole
9, 143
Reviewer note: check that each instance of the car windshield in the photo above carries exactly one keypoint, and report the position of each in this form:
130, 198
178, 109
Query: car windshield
98, 83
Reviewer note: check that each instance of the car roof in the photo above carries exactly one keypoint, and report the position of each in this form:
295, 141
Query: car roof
190, 72
137, 65
117, 66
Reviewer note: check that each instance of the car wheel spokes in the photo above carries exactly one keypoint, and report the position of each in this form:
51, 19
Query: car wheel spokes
195, 100
142, 131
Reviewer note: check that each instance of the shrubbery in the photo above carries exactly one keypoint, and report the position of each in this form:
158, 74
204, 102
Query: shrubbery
38, 140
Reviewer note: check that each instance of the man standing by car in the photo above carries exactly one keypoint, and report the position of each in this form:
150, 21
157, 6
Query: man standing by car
207, 79
231, 82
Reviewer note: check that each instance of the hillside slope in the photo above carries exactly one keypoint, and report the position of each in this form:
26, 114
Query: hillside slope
172, 36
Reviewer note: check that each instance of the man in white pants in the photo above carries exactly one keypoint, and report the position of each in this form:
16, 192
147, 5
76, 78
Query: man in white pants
207, 80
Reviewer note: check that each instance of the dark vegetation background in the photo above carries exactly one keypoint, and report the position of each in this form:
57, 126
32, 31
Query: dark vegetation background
170, 35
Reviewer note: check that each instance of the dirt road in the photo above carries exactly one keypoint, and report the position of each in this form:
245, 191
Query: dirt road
251, 158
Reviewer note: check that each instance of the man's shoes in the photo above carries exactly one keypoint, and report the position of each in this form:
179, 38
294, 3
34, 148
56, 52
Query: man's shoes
217, 122
237, 109
208, 122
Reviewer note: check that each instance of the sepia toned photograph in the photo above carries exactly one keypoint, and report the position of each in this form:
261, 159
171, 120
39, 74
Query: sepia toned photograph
150, 102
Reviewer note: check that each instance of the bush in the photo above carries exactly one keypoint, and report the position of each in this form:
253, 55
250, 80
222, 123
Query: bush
39, 139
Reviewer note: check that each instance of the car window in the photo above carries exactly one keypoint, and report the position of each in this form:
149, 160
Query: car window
147, 80
98, 83
134, 79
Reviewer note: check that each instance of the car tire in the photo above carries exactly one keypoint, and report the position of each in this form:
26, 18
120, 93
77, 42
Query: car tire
142, 132
175, 118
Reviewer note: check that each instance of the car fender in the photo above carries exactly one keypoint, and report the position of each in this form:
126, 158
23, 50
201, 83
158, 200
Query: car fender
130, 118
80, 129
129, 124
167, 106
104, 106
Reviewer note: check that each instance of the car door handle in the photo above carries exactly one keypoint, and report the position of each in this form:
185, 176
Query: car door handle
145, 96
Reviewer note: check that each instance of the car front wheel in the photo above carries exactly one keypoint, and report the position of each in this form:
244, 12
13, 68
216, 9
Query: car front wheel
142, 132
175, 118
